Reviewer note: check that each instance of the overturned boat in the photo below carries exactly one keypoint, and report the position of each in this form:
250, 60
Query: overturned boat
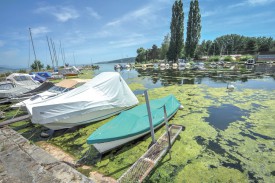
105, 95
132, 124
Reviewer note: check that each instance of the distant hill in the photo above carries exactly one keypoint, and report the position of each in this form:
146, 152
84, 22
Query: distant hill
123, 60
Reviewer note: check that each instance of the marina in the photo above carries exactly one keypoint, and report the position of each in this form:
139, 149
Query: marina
235, 142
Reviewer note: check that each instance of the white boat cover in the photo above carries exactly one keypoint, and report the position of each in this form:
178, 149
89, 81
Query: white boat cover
105, 95
61, 87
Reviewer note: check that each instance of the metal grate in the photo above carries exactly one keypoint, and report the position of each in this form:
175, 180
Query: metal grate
143, 166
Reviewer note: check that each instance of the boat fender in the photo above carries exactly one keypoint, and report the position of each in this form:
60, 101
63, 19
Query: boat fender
181, 107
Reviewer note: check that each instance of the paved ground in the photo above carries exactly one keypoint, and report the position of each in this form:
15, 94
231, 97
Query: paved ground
21, 161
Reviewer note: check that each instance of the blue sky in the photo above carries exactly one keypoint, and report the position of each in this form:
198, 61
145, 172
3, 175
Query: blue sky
102, 30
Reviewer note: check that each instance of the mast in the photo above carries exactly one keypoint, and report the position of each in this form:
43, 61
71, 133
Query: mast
34, 50
50, 53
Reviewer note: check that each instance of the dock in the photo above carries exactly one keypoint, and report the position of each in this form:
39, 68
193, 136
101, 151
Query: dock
22, 161
143, 166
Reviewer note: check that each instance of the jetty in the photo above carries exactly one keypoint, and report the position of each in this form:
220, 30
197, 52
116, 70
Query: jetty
22, 161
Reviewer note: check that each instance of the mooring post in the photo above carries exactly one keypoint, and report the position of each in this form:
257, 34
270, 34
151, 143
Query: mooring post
167, 127
149, 116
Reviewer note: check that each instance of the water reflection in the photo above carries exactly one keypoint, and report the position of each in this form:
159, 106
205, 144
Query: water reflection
158, 77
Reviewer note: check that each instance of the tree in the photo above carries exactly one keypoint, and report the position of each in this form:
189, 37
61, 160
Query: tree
193, 29
164, 47
176, 28
264, 44
36, 65
48, 67
251, 46
154, 52
141, 55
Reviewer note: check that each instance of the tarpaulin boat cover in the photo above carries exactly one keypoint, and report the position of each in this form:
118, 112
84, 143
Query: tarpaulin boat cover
135, 121
105, 92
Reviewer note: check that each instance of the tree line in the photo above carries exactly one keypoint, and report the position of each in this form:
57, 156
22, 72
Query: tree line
174, 47
235, 44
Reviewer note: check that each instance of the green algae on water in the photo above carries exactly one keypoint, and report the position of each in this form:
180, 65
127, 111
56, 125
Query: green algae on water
242, 152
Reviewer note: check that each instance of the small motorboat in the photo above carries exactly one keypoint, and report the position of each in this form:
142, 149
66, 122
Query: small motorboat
22, 83
59, 88
105, 95
132, 124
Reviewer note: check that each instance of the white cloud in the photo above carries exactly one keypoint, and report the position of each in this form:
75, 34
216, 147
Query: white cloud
208, 13
143, 15
132, 40
93, 13
252, 3
37, 31
259, 2
62, 14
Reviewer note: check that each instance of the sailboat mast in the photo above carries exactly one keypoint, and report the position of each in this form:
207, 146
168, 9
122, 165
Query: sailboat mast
34, 50
50, 53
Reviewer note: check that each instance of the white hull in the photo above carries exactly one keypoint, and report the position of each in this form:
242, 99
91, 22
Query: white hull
33, 99
72, 120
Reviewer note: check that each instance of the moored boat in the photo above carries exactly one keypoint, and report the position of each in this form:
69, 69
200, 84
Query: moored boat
132, 124
22, 83
59, 88
105, 95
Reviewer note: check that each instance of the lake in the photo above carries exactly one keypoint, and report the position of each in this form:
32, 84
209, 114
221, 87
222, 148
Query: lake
228, 136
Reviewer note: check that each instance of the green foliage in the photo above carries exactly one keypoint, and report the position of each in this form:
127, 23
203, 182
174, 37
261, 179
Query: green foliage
193, 29
37, 65
245, 57
176, 27
237, 44
264, 44
153, 53
141, 55
228, 58
48, 67
214, 58
251, 46
164, 47
22, 71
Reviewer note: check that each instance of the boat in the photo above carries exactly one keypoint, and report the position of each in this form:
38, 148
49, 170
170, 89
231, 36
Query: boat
105, 95
59, 88
6, 85
69, 71
250, 61
43, 87
22, 84
132, 124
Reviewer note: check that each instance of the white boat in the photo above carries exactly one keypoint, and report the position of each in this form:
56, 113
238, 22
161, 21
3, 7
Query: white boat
69, 71
105, 95
22, 84
250, 61
59, 88
43, 87
6, 85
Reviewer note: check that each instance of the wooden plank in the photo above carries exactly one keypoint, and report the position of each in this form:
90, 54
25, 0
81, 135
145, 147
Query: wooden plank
130, 174
9, 121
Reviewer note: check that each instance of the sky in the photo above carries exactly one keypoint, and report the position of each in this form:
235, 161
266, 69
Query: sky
90, 31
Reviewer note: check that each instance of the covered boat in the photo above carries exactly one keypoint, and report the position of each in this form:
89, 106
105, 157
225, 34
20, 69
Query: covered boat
59, 88
43, 87
22, 84
132, 124
105, 95
69, 71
